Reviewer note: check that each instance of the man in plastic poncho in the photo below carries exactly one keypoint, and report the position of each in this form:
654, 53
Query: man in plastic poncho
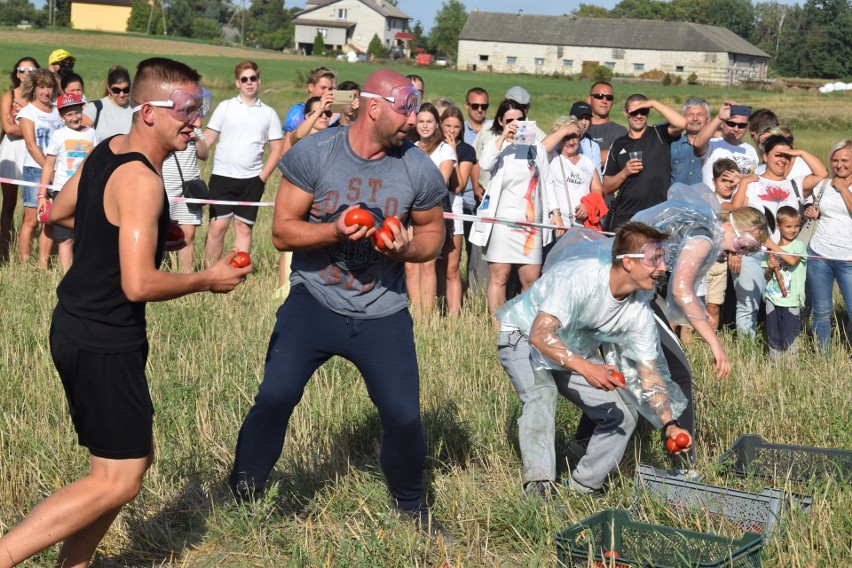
597, 297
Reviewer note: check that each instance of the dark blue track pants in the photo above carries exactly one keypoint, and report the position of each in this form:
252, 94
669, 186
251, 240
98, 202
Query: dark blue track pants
305, 336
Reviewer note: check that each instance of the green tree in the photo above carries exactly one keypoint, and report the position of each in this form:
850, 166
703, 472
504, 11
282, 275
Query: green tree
376, 48
590, 11
141, 14
270, 25
735, 15
419, 35
449, 21
205, 28
825, 48
319, 44
16, 11
640, 10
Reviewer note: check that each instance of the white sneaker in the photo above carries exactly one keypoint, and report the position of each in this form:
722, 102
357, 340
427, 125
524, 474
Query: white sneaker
576, 487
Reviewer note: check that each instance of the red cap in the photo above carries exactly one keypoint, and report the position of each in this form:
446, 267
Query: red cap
67, 100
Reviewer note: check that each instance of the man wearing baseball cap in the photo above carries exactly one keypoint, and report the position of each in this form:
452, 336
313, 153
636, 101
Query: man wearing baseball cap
60, 63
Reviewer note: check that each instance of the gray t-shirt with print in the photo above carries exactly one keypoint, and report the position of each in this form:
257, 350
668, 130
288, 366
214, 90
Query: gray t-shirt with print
348, 278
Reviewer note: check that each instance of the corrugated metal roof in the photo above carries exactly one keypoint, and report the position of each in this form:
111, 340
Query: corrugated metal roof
385, 9
604, 32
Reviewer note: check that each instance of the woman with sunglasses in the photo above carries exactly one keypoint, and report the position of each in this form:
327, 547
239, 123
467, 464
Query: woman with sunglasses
37, 120
767, 193
317, 116
112, 114
521, 189
12, 148
421, 279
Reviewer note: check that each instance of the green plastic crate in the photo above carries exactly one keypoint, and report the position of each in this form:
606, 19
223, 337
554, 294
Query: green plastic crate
651, 546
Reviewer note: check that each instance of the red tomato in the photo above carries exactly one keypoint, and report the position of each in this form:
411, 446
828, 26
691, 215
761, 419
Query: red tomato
683, 440
360, 217
611, 554
241, 260
617, 376
380, 244
391, 221
175, 233
672, 446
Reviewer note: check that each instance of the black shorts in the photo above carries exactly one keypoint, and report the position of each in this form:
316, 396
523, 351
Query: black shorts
108, 398
231, 189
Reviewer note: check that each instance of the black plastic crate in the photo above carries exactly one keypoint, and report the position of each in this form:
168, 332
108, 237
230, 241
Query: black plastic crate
751, 455
750, 512
651, 546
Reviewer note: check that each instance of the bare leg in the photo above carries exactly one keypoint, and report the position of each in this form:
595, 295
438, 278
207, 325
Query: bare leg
713, 311
428, 286
45, 245
66, 254
528, 273
496, 294
242, 236
215, 240
25, 237
186, 255
7, 216
454, 283
412, 286
78, 512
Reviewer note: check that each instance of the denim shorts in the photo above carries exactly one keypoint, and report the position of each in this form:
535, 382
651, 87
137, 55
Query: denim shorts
29, 194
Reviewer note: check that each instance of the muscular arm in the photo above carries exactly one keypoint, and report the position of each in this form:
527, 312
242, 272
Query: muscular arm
133, 200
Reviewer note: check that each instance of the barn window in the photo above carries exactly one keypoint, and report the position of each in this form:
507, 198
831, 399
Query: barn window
610, 64
638, 66
483, 58
511, 60
679, 69
567, 63
341, 13
539, 60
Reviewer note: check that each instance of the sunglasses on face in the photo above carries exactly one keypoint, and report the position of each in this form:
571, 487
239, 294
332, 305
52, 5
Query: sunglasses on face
251, 79
404, 98
740, 125
640, 112
119, 90
27, 69
326, 113
603, 96
651, 255
477, 106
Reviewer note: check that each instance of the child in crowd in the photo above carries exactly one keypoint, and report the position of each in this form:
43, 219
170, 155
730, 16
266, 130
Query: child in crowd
785, 298
68, 147
726, 178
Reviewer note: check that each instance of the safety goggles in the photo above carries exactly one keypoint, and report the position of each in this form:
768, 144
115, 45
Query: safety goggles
183, 105
404, 98
651, 255
744, 243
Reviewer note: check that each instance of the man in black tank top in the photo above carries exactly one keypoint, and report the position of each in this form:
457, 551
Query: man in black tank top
117, 206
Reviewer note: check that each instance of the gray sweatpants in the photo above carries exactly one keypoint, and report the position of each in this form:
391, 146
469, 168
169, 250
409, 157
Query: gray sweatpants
614, 419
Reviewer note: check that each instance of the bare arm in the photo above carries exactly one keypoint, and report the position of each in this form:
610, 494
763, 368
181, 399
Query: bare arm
65, 205
210, 137
137, 215
202, 149
702, 139
272, 159
740, 197
478, 190
677, 122
818, 170
612, 183
841, 186
544, 338
10, 127
461, 174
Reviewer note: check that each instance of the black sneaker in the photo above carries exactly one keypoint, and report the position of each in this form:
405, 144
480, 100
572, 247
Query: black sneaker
427, 523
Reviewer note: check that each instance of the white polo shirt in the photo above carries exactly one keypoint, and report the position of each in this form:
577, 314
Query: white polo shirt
243, 133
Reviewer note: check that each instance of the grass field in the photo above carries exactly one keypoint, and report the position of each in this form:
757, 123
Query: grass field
328, 505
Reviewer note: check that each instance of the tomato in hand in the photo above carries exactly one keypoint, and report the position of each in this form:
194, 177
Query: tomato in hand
672, 446
175, 233
360, 217
241, 260
380, 244
392, 221
617, 376
683, 440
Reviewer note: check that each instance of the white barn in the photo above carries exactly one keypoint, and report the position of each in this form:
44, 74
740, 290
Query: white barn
524, 43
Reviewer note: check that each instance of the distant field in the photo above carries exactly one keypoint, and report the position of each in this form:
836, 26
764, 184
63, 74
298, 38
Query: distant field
328, 505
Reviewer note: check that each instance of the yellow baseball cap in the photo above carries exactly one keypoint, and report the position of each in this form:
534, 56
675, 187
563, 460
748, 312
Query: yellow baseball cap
59, 55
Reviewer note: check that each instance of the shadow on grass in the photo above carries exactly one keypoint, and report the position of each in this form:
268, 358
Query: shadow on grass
160, 538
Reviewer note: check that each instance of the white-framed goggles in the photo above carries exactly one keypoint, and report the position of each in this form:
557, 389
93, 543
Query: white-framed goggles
404, 98
184, 105
651, 254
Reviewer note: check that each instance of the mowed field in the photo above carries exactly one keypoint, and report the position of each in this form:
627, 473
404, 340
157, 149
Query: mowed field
328, 505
